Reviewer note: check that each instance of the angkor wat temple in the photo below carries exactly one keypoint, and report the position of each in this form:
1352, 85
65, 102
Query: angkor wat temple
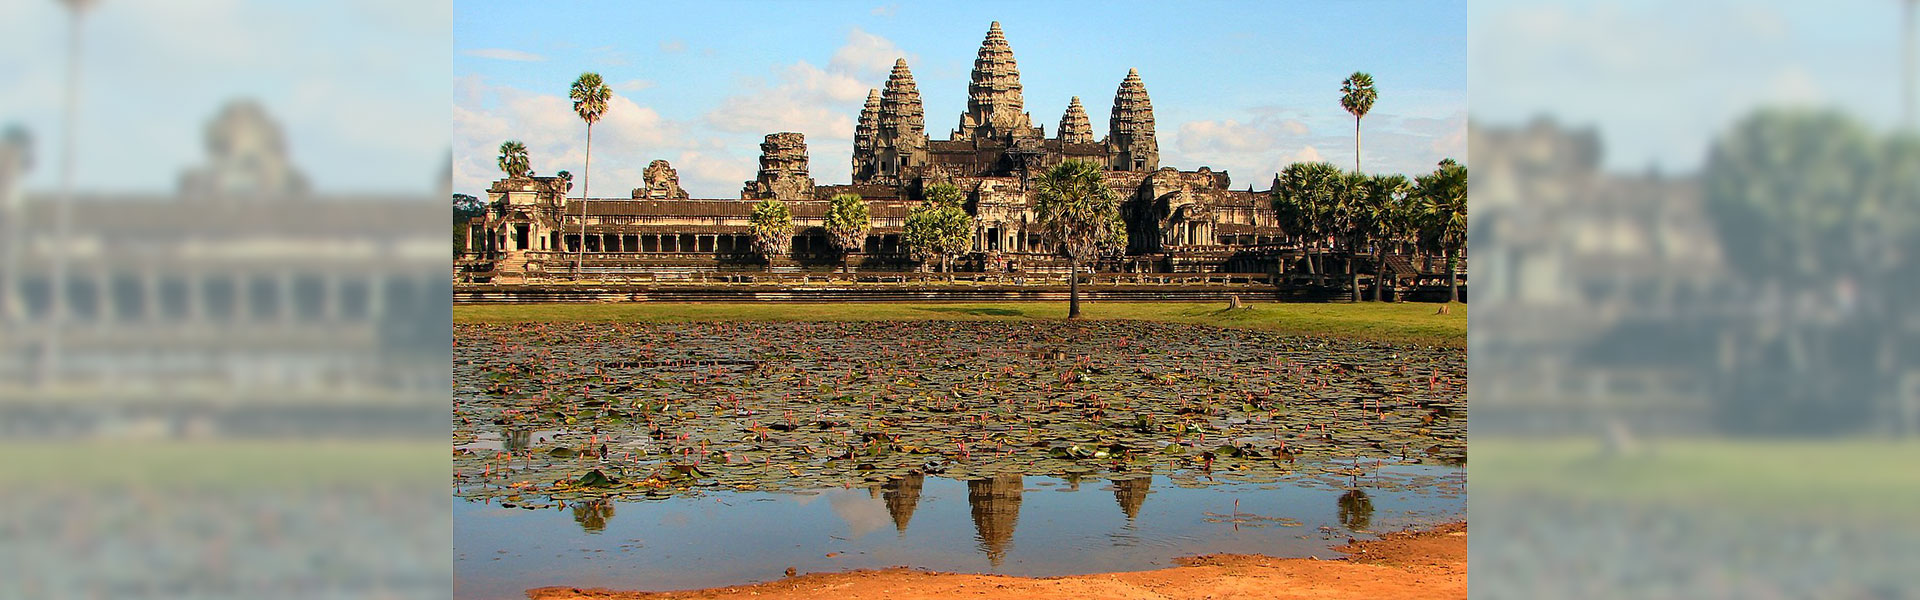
1177, 221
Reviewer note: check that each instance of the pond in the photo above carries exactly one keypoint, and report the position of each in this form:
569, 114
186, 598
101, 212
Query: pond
769, 432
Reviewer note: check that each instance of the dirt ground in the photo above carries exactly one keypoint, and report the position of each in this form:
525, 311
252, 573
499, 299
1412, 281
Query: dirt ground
1427, 564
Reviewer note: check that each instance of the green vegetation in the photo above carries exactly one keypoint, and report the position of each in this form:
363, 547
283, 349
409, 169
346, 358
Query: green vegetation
941, 227
1845, 476
1077, 211
513, 159
1413, 323
772, 224
847, 223
221, 464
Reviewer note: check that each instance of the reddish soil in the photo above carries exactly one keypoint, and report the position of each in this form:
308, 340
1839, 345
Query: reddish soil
1426, 564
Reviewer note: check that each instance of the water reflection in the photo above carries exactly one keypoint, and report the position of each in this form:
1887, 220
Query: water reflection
996, 509
669, 543
518, 439
1356, 510
592, 515
902, 495
1131, 493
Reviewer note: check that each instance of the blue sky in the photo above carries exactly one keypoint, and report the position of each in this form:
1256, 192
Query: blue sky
1247, 87
1660, 79
357, 86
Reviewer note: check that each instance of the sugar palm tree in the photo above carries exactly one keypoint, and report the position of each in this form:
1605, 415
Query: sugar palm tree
1383, 219
1443, 195
590, 96
1347, 217
1304, 195
772, 226
1357, 96
513, 159
847, 224
1080, 214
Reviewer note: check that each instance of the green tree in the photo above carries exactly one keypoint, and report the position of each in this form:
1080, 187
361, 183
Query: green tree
1443, 197
939, 228
847, 224
1357, 96
1080, 214
513, 159
1305, 196
590, 98
1383, 220
465, 208
772, 225
566, 180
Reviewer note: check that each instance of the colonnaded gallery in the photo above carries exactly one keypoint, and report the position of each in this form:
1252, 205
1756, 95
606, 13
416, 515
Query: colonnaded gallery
1177, 221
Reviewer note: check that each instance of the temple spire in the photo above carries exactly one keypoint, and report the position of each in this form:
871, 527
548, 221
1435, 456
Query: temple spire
900, 142
1074, 126
994, 103
863, 138
1130, 136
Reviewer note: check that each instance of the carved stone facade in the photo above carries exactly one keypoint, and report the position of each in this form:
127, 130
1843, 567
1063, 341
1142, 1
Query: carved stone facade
663, 183
1176, 220
783, 170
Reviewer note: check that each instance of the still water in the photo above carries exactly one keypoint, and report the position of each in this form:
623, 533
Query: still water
1032, 526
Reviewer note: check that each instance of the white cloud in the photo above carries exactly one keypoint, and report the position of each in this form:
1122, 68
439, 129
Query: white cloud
818, 103
867, 55
673, 46
885, 10
633, 85
504, 54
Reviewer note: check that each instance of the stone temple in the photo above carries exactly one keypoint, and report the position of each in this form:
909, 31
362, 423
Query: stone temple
1177, 221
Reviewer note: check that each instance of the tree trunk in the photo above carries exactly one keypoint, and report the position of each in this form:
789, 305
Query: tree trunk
1453, 278
1356, 143
1353, 270
1379, 273
584, 169
1073, 289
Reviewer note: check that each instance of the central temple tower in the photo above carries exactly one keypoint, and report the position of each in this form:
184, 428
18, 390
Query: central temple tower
995, 108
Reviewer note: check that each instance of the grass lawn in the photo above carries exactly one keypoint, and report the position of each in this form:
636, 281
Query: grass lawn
1413, 323
234, 465
1843, 476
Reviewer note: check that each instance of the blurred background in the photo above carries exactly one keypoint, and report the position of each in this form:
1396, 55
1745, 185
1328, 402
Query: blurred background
223, 299
1695, 230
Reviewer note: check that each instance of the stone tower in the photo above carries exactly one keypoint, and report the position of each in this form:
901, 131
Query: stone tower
900, 144
783, 170
246, 157
864, 163
1130, 138
663, 183
1074, 126
994, 104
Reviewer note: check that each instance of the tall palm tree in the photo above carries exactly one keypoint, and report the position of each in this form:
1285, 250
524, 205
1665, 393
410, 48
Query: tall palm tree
1357, 96
1443, 195
513, 159
590, 96
63, 215
847, 224
1080, 214
1383, 219
1348, 218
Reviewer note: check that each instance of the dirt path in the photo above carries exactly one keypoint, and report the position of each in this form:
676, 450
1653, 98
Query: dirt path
1429, 564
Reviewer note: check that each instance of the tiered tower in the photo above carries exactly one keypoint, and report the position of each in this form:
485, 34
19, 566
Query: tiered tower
1130, 139
1074, 126
900, 144
864, 161
783, 170
994, 103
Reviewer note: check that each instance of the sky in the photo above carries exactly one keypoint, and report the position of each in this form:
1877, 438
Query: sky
1661, 80
357, 86
1242, 86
